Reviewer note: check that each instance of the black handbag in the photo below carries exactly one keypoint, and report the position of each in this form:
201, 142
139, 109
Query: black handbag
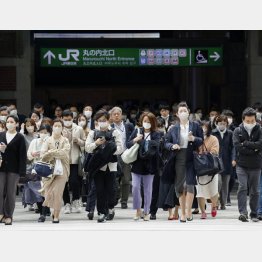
207, 164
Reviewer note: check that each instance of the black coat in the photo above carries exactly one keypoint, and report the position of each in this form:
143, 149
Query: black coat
226, 150
15, 156
248, 148
141, 166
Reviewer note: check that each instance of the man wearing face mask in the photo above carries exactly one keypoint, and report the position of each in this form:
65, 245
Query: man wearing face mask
227, 154
88, 112
75, 135
164, 112
125, 129
213, 113
248, 143
3, 113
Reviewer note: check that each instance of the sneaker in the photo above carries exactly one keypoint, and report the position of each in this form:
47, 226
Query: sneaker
146, 217
111, 214
254, 219
243, 218
137, 216
31, 208
101, 218
84, 204
41, 219
67, 209
203, 215
76, 206
259, 216
228, 204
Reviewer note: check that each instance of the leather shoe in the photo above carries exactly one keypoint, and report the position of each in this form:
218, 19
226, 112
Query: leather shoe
124, 206
153, 217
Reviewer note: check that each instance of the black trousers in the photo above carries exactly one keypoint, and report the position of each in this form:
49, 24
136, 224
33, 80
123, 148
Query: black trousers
74, 184
91, 197
105, 183
155, 194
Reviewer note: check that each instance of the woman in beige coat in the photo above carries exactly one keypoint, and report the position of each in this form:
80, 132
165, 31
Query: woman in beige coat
55, 147
209, 191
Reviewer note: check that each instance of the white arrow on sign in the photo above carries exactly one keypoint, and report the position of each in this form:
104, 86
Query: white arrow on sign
216, 56
49, 56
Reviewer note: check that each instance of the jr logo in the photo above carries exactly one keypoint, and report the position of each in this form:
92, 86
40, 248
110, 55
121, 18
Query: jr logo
69, 52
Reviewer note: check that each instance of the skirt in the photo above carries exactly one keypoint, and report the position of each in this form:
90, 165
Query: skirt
209, 190
53, 191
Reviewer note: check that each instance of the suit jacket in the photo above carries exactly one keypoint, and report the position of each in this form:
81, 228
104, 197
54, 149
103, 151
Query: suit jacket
14, 158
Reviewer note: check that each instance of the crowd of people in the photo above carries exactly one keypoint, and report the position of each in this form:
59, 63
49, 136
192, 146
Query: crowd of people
86, 150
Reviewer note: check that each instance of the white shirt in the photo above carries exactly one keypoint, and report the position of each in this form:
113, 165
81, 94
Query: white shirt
184, 132
122, 130
10, 137
147, 136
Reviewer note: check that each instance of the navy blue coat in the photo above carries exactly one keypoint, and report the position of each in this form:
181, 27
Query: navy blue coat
226, 150
173, 137
141, 166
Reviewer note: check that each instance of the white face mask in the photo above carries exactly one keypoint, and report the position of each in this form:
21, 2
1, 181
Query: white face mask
230, 121
103, 125
212, 118
75, 114
88, 114
82, 123
43, 136
68, 123
13, 112
146, 125
183, 116
10, 126
249, 127
3, 118
30, 129
57, 130
221, 128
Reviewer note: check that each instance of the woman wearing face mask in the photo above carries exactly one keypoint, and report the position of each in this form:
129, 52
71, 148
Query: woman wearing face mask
184, 138
31, 194
88, 112
105, 178
55, 147
82, 121
36, 117
13, 151
209, 191
29, 131
143, 170
227, 154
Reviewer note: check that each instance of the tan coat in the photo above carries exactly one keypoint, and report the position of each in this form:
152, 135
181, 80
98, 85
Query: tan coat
75, 150
53, 187
212, 145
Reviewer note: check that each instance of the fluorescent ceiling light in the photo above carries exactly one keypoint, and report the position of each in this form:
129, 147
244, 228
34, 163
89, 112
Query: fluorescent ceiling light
96, 35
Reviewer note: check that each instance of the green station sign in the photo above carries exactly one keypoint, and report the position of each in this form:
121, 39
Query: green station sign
131, 57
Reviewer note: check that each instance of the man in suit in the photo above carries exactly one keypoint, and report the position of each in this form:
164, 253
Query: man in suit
164, 113
125, 129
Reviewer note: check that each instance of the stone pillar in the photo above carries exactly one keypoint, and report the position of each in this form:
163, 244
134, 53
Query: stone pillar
254, 68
